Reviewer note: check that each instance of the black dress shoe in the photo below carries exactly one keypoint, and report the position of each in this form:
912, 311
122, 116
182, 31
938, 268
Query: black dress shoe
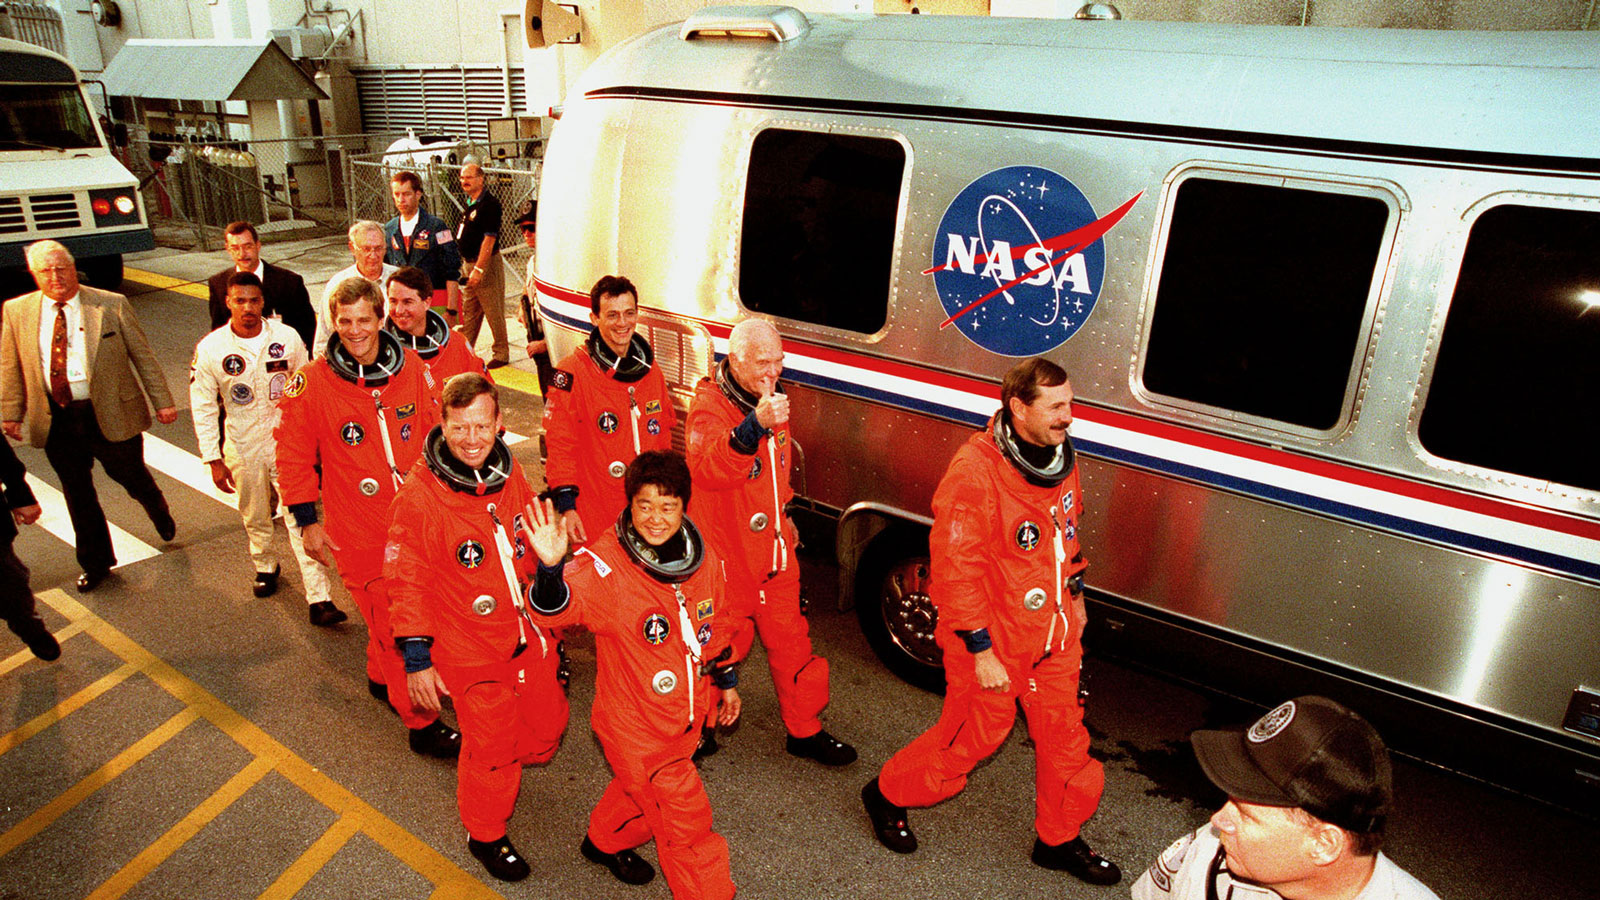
43, 644
324, 613
500, 858
822, 747
436, 739
1075, 858
888, 821
162, 519
497, 364
89, 580
708, 745
626, 865
380, 691
266, 583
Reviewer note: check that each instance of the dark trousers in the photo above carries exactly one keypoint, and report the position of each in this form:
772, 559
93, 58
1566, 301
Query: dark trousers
16, 598
74, 443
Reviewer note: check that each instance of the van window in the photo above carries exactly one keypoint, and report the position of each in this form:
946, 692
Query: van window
1516, 386
819, 227
1262, 298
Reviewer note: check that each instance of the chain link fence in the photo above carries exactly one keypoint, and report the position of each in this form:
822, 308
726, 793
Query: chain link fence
511, 178
294, 187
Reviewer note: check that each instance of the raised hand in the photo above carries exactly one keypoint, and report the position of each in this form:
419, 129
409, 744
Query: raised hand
773, 409
544, 531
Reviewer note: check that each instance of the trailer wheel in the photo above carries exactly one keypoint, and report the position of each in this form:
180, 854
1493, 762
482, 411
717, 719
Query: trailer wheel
896, 615
103, 272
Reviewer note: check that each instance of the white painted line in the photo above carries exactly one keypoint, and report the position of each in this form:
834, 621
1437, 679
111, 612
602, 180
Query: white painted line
176, 462
128, 549
512, 438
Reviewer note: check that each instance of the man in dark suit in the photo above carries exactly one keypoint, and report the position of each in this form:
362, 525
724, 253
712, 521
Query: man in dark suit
17, 507
284, 291
76, 368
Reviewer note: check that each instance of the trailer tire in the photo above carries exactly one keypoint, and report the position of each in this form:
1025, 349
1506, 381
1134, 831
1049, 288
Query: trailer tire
894, 610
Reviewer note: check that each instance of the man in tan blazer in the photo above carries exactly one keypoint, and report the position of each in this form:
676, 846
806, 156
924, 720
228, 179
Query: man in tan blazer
72, 362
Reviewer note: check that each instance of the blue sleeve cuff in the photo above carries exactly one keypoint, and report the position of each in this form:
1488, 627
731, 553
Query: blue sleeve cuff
565, 497
417, 652
725, 677
549, 594
977, 640
304, 514
747, 435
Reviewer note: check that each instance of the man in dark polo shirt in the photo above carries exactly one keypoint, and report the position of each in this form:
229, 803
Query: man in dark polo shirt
483, 282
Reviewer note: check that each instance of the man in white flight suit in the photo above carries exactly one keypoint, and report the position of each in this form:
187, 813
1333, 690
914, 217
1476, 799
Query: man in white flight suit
246, 364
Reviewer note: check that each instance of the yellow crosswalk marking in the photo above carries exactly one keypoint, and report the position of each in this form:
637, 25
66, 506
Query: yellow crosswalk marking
95, 780
310, 862
448, 879
154, 855
24, 656
64, 708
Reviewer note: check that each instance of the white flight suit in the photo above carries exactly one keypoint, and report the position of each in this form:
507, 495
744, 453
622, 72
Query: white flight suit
249, 376
319, 344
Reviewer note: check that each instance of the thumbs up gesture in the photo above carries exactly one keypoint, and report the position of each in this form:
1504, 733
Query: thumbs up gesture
773, 409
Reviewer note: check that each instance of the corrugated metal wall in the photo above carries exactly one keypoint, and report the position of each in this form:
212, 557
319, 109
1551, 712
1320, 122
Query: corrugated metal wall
455, 100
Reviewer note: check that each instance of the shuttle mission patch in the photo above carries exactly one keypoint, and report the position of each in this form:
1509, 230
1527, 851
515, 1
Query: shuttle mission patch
1019, 260
1028, 535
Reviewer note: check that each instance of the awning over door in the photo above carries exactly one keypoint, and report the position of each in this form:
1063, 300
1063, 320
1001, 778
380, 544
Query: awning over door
207, 70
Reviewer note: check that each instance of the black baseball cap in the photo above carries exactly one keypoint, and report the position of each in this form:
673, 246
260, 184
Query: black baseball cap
528, 215
1309, 752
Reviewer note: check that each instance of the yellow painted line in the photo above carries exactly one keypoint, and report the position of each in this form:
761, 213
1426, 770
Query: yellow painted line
310, 862
515, 379
94, 781
167, 283
187, 827
66, 707
405, 846
24, 656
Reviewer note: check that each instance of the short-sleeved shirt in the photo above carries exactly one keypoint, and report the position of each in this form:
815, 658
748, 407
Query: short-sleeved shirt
1183, 870
480, 218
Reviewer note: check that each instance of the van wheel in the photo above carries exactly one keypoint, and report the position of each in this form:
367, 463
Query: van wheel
896, 614
103, 272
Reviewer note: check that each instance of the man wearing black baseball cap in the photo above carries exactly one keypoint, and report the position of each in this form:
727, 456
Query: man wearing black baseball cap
1309, 788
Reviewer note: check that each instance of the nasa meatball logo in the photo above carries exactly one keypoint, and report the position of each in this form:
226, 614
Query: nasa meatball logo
352, 433
1019, 260
755, 469
653, 426
405, 432
1028, 535
241, 394
655, 629
608, 421
275, 351
233, 364
470, 554
1272, 724
704, 634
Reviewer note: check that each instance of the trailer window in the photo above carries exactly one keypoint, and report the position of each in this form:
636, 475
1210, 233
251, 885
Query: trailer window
1262, 298
1514, 385
819, 226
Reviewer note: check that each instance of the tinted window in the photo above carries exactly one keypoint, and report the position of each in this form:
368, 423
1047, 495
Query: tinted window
819, 226
44, 117
1517, 383
1262, 297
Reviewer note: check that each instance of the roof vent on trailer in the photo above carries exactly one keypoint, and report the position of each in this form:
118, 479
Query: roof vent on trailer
770, 23
1098, 12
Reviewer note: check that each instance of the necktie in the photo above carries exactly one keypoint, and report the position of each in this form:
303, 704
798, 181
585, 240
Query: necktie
60, 389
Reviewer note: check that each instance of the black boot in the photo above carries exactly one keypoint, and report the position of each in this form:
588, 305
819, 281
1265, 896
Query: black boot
822, 747
708, 745
626, 865
436, 739
1075, 858
888, 821
500, 858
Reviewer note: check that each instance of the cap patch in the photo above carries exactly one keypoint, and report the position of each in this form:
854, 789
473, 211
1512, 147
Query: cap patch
1272, 724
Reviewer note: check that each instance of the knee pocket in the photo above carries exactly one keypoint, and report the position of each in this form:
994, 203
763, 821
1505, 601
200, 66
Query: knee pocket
678, 792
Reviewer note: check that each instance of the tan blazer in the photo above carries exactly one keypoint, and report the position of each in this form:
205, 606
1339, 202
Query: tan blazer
116, 351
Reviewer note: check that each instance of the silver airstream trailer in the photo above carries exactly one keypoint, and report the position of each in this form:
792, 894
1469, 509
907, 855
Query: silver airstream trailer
1329, 298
